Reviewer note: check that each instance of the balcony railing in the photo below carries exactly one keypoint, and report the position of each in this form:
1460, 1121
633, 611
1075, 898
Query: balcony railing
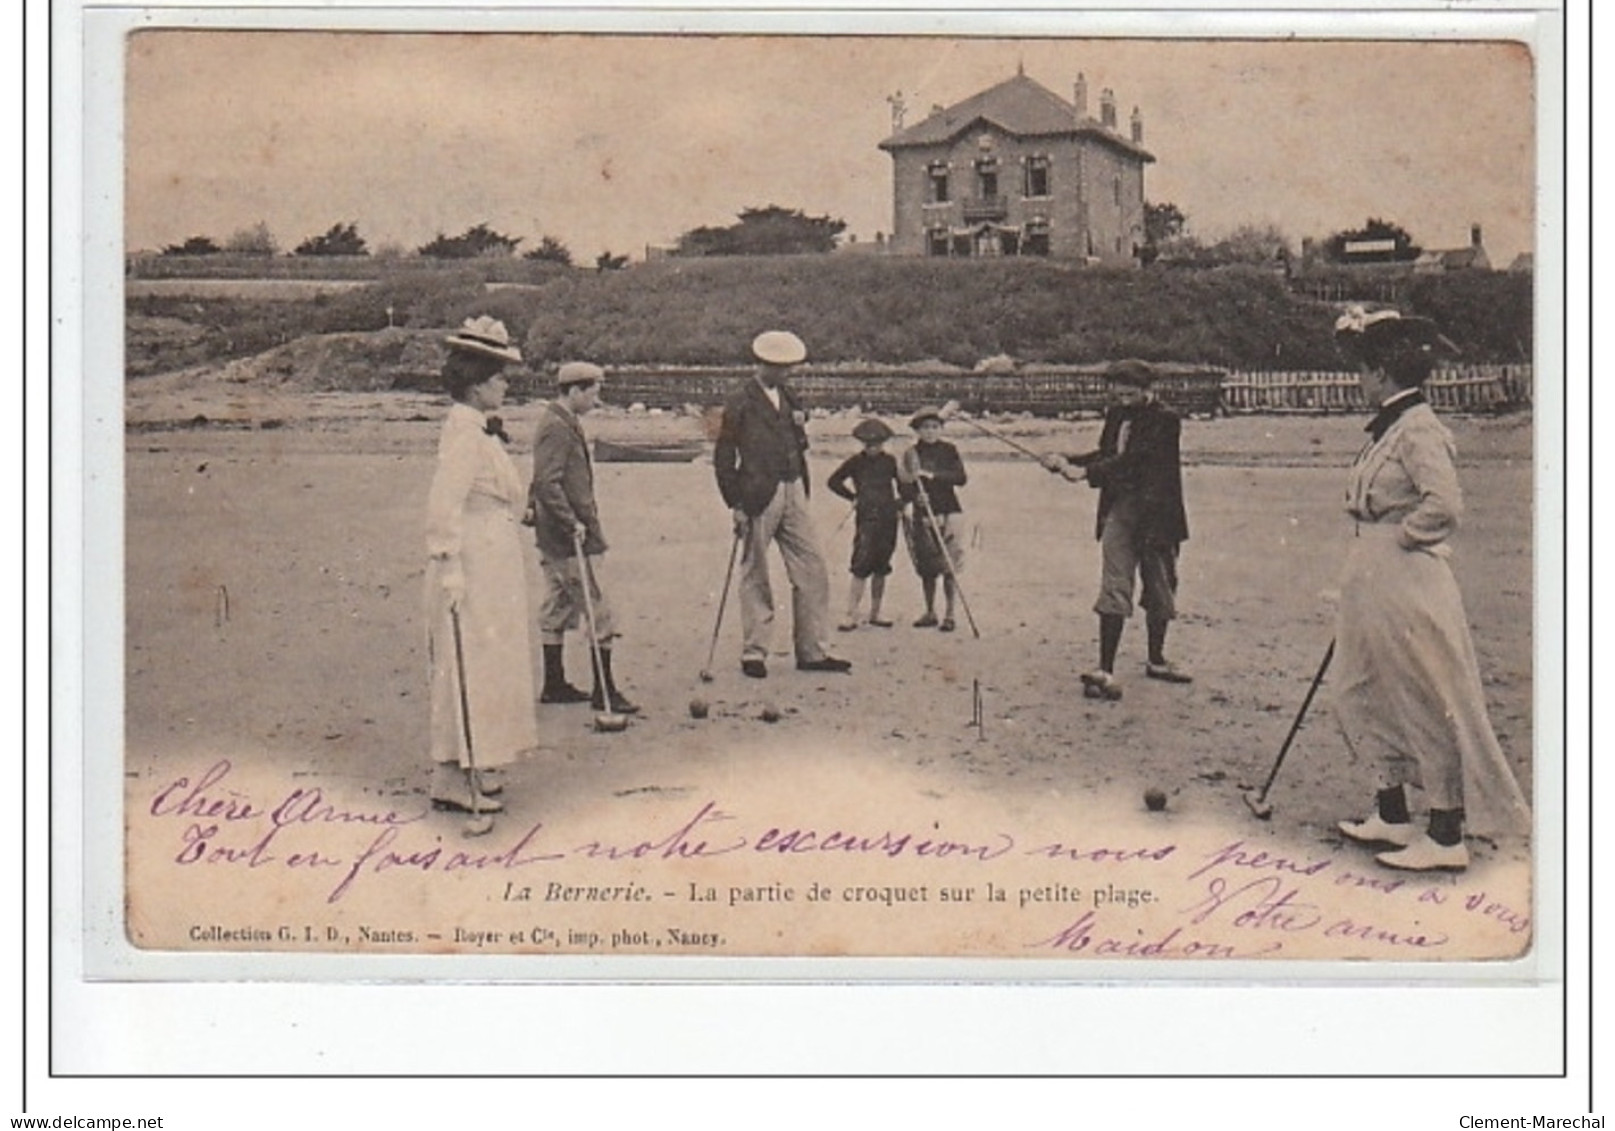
985, 208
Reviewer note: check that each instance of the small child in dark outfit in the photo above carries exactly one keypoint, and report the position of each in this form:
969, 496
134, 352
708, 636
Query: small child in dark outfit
929, 476
873, 475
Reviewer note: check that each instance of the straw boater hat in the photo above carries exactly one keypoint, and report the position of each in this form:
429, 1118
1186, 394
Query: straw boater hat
923, 415
871, 431
578, 373
778, 347
1138, 374
486, 337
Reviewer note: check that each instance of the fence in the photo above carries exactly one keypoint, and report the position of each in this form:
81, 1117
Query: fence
493, 270
1055, 392
1043, 392
1472, 388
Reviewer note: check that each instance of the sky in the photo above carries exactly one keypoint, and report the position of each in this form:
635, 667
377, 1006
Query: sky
613, 143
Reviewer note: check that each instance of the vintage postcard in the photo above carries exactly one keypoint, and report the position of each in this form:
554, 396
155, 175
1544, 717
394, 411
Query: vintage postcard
1026, 656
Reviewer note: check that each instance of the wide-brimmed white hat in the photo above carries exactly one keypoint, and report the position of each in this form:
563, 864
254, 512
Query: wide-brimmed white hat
778, 347
486, 336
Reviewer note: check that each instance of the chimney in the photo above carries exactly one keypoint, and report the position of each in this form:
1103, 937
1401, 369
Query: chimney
1107, 108
1474, 235
1080, 97
1138, 127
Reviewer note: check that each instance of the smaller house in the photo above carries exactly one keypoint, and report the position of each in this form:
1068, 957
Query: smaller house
1437, 261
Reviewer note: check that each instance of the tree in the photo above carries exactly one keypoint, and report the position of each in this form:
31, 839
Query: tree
551, 250
339, 239
605, 261
1163, 222
771, 230
1374, 230
1259, 245
195, 245
256, 240
473, 243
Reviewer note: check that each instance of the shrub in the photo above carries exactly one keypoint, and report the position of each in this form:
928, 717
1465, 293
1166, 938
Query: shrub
705, 311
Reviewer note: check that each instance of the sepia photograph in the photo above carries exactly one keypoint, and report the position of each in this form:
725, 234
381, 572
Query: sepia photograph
1052, 501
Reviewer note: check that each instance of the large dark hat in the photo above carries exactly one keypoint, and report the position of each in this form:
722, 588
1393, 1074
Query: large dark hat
871, 431
1383, 339
1132, 372
485, 337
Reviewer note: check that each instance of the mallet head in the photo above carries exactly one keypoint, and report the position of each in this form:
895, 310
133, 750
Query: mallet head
1260, 807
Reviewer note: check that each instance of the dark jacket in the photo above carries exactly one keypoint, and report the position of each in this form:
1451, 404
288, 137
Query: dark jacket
1148, 471
947, 469
562, 491
873, 480
759, 447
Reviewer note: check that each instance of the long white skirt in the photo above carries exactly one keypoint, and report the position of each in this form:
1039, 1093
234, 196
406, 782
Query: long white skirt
1408, 684
498, 708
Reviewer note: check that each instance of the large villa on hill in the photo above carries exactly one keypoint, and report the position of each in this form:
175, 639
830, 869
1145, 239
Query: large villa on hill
1018, 170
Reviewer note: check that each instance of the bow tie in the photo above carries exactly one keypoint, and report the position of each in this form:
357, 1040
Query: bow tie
496, 427
1390, 414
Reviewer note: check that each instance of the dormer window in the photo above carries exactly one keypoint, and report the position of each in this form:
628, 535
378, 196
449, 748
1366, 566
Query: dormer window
1037, 176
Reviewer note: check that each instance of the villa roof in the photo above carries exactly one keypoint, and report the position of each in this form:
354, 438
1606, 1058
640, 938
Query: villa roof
1019, 106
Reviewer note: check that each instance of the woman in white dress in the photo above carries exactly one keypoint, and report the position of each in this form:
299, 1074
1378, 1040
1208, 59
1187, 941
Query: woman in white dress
480, 660
1410, 696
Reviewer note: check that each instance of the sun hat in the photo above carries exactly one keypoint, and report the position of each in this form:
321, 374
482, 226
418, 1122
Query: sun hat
871, 431
1387, 337
578, 373
486, 337
778, 347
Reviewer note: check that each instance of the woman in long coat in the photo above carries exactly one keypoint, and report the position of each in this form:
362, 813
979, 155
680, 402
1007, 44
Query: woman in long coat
1410, 695
478, 649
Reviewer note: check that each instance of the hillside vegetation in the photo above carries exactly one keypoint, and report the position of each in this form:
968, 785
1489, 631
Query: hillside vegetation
848, 309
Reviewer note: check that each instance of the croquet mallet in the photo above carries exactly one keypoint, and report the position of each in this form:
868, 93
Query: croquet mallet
717, 625
1258, 804
479, 823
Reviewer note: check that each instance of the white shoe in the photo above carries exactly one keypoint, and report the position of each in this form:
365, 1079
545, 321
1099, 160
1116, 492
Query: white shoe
1376, 830
451, 789
1425, 855
1100, 684
1169, 672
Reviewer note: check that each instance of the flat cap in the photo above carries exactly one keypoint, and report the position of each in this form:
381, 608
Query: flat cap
578, 373
923, 415
778, 347
1131, 372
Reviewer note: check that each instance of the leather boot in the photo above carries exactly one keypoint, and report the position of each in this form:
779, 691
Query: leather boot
556, 689
619, 702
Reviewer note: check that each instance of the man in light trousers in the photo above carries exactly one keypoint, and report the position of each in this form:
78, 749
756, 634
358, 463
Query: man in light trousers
761, 469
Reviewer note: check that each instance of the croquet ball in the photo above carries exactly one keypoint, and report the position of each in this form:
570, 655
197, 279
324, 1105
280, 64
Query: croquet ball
1154, 800
698, 708
769, 713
